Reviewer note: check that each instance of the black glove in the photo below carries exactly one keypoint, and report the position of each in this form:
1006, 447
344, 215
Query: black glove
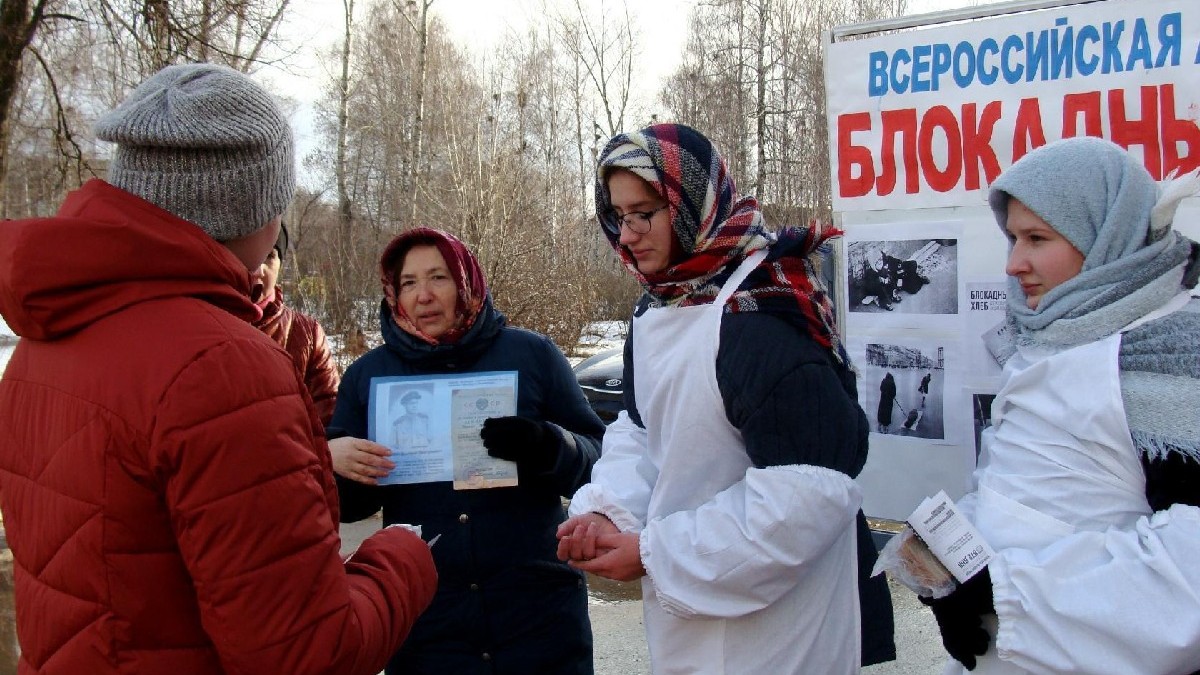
960, 618
531, 444
1171, 479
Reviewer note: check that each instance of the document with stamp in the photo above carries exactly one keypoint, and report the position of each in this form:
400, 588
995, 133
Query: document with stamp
432, 424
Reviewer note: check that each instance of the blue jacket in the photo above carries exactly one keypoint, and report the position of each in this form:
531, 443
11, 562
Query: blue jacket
505, 603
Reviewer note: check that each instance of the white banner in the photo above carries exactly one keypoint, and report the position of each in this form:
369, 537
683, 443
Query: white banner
928, 118
921, 122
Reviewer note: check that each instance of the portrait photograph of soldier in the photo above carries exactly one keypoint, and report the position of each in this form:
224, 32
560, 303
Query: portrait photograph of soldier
410, 418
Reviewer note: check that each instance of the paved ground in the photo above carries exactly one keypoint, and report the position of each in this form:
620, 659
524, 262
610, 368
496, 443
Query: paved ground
620, 645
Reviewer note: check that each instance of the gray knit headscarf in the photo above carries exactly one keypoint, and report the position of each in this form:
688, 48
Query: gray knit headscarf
1107, 205
1097, 197
205, 143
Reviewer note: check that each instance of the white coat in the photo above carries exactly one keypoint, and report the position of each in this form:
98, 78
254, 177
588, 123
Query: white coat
747, 570
1086, 579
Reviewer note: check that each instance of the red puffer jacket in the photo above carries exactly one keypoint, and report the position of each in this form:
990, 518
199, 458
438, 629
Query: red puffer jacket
305, 342
166, 488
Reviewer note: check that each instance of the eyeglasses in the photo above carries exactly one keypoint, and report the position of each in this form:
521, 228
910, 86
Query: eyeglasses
638, 222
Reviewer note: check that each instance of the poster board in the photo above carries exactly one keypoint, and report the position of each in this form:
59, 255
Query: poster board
924, 113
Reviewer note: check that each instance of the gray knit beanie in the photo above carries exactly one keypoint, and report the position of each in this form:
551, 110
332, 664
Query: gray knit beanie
1089, 190
205, 143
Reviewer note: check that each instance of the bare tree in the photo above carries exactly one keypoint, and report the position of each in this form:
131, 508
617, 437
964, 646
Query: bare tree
338, 309
751, 79
157, 33
82, 56
20, 22
420, 25
602, 46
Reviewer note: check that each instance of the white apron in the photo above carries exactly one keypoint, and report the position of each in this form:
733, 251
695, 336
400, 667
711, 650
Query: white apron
705, 478
1059, 459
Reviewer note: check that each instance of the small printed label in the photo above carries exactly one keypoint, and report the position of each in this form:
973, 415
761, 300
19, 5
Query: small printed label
951, 538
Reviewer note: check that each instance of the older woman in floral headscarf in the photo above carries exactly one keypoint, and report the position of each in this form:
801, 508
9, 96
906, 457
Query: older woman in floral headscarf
727, 486
505, 603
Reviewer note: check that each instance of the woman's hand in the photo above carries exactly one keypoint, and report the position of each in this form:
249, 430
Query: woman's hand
592, 543
577, 536
619, 557
360, 460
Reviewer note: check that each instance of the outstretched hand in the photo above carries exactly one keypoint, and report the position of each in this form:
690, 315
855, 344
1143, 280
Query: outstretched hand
360, 460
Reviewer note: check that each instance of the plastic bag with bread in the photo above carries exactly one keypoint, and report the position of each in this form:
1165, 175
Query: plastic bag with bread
911, 563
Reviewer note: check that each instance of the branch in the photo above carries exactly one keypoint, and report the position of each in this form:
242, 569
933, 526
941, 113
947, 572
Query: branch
266, 33
64, 127
35, 20
67, 17
109, 12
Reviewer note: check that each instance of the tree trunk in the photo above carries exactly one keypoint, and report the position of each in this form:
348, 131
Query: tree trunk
760, 101
414, 173
18, 24
339, 308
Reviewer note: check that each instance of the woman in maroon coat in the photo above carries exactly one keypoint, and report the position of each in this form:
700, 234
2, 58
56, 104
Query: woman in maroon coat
298, 333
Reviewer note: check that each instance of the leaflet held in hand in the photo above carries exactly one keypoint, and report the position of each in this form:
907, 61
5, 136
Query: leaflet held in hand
951, 538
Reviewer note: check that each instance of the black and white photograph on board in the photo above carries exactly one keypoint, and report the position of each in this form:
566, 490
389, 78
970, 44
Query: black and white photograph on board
982, 412
903, 389
908, 276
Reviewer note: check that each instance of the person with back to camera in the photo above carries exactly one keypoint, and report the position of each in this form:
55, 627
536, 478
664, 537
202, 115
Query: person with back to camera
166, 487
727, 483
887, 402
505, 604
1089, 480
298, 333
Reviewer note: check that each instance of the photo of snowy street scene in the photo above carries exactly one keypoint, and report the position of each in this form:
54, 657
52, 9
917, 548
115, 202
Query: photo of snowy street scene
901, 390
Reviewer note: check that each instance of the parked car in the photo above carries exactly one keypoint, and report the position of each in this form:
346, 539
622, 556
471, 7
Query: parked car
601, 377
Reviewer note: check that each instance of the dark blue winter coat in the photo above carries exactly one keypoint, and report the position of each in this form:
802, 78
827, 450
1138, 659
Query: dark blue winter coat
505, 604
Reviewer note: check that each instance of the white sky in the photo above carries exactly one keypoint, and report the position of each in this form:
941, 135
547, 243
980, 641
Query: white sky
316, 26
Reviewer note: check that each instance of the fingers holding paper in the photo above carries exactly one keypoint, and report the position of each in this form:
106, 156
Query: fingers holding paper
360, 460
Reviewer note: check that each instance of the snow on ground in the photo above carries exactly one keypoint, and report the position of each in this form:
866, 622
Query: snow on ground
8, 342
598, 337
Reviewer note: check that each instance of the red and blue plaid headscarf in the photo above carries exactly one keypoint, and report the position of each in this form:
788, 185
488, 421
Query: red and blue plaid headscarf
717, 229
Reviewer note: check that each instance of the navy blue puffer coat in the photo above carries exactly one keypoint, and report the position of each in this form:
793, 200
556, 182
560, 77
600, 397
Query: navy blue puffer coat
505, 604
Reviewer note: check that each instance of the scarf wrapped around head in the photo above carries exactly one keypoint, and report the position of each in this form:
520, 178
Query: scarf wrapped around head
464, 269
1101, 200
717, 229
1110, 209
